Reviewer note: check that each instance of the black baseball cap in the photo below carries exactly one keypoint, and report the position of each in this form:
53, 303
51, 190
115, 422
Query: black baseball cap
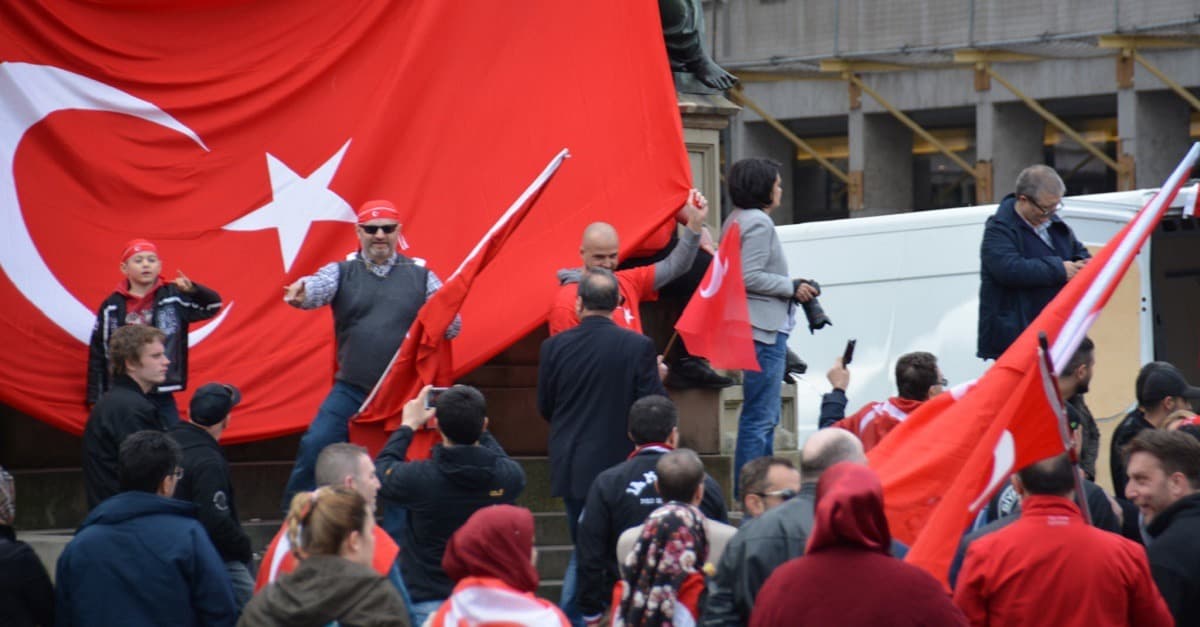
213, 402
1164, 381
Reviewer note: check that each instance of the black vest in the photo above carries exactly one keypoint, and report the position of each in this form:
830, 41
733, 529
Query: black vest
371, 315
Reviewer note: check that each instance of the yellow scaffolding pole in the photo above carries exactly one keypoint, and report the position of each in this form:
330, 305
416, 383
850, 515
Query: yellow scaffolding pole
907, 121
1168, 81
740, 97
1054, 120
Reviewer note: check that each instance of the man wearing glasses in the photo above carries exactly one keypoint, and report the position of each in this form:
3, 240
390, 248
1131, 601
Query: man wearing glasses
375, 295
1028, 254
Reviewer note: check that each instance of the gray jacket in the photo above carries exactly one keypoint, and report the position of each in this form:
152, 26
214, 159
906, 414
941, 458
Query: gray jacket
769, 288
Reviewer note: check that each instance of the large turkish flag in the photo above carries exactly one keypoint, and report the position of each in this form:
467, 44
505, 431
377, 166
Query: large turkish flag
239, 135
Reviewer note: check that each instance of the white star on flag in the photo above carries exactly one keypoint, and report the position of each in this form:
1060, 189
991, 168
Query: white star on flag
296, 203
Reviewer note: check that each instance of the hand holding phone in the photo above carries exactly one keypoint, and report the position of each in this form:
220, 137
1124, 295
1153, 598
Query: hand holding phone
848, 354
431, 398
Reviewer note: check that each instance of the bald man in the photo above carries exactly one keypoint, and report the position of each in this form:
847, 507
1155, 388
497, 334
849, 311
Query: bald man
764, 543
599, 248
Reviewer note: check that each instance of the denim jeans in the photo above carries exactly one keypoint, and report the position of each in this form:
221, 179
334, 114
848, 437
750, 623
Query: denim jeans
397, 581
761, 405
243, 583
570, 586
331, 425
422, 610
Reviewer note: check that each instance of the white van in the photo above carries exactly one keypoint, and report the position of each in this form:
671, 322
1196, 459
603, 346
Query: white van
908, 282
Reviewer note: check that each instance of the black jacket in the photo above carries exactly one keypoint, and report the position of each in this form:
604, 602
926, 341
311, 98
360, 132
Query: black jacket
621, 498
122, 411
173, 311
1018, 274
1175, 557
1134, 423
760, 546
588, 378
440, 494
26, 595
206, 484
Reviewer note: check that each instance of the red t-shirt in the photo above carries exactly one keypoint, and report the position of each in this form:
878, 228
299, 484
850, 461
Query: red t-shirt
635, 284
279, 559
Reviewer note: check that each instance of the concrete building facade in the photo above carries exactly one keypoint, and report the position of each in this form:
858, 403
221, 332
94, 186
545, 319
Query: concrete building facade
1102, 90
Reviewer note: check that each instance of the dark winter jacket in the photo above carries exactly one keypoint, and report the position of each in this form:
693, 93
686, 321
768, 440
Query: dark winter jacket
1018, 274
621, 498
26, 595
121, 412
142, 559
323, 589
1175, 558
206, 485
173, 311
440, 494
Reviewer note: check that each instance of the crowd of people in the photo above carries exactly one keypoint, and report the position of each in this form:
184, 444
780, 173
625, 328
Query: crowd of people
654, 544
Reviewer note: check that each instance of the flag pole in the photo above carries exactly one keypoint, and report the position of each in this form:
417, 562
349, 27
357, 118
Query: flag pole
1064, 429
670, 345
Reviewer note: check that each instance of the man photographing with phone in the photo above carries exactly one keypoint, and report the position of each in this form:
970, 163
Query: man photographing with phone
466, 472
918, 379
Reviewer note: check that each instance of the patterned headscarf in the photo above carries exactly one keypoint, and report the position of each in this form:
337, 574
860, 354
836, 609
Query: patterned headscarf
672, 548
8, 499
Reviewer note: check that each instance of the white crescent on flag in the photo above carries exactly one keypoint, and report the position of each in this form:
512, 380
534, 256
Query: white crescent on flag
720, 267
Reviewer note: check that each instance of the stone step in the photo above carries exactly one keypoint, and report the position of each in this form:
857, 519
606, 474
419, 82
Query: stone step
552, 560
53, 498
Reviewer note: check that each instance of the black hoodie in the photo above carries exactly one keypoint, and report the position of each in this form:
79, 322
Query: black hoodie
1175, 557
440, 494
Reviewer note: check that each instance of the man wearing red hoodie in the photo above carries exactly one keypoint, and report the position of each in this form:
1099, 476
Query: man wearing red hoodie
1052, 568
918, 379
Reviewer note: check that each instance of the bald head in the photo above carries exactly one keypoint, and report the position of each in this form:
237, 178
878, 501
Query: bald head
826, 448
599, 246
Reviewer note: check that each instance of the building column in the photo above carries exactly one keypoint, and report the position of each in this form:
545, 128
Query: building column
1153, 127
1009, 136
881, 153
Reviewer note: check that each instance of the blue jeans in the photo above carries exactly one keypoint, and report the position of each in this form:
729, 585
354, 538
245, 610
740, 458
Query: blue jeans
398, 582
571, 578
761, 405
331, 425
422, 610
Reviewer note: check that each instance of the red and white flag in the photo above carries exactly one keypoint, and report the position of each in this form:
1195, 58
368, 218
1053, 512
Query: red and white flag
425, 356
949, 457
239, 135
716, 322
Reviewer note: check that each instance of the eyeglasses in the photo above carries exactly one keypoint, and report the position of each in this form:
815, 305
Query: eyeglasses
782, 494
1052, 210
943, 382
371, 229
178, 474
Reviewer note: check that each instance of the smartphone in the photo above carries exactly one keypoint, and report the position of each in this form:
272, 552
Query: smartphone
431, 398
848, 354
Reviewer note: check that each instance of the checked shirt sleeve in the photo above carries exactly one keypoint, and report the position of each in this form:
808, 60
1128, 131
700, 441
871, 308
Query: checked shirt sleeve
433, 284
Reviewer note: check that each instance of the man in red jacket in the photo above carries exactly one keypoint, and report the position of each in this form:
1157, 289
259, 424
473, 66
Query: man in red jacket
918, 379
1052, 568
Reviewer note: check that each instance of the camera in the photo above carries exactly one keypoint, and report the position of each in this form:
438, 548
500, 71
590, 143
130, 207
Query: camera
431, 398
817, 318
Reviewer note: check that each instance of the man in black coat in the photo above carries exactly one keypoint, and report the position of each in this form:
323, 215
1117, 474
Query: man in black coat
467, 472
206, 484
588, 378
138, 362
1164, 483
624, 495
1027, 254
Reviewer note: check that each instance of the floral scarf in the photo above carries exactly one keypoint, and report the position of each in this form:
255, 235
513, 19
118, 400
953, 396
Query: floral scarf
672, 548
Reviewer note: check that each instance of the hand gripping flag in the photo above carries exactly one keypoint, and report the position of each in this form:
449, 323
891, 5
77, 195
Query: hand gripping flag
948, 458
425, 356
716, 322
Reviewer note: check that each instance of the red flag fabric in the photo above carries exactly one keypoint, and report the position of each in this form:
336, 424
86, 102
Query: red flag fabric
716, 322
237, 136
425, 356
955, 450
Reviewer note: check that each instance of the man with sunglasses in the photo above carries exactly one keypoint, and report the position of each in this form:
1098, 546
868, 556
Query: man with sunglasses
1028, 253
375, 295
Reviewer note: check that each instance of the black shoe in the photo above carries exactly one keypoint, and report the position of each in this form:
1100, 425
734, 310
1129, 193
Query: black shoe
691, 372
793, 367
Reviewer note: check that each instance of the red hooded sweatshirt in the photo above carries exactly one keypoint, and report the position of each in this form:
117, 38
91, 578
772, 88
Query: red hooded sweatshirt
846, 576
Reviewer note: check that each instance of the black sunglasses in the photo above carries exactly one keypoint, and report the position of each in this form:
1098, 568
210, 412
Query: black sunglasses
782, 494
371, 229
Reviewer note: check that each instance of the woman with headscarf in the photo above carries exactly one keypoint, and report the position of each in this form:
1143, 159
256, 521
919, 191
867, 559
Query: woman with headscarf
332, 530
662, 578
847, 576
492, 558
